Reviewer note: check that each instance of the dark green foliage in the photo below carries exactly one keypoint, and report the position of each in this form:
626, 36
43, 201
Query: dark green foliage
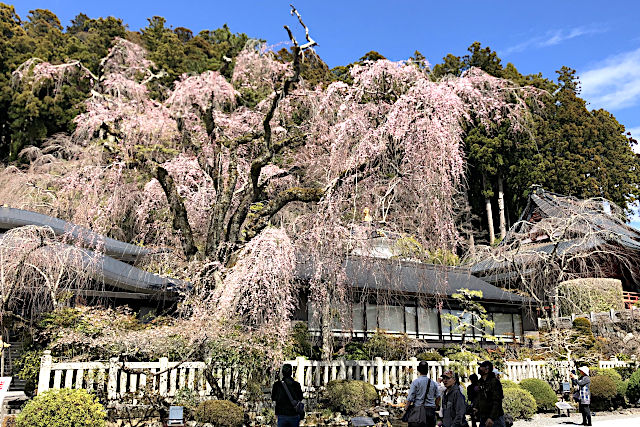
582, 325
63, 408
222, 413
519, 403
625, 371
28, 368
350, 397
633, 388
542, 392
301, 341
603, 391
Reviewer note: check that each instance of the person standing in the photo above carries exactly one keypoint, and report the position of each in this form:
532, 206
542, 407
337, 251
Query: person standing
454, 406
489, 402
284, 392
422, 399
583, 394
473, 390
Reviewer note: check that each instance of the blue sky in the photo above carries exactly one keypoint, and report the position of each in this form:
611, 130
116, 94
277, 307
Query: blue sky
598, 39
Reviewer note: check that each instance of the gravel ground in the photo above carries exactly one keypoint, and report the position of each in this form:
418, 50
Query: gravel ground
626, 418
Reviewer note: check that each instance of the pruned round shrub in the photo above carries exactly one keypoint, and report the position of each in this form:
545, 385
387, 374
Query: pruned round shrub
633, 387
62, 408
222, 413
519, 403
429, 356
603, 390
508, 384
621, 386
350, 397
542, 392
583, 325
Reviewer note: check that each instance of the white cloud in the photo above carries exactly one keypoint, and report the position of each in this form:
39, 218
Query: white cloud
615, 84
553, 37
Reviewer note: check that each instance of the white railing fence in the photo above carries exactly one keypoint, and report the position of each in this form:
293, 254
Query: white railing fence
115, 379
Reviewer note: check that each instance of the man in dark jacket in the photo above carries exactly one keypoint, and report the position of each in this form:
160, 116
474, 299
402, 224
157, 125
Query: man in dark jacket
285, 412
489, 401
472, 395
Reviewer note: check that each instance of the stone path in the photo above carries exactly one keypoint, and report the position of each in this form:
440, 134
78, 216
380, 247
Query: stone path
604, 420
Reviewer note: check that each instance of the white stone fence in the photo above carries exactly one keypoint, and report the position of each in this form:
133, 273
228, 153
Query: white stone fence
116, 379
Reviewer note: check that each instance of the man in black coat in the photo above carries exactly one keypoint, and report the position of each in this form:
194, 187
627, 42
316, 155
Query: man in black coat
285, 411
489, 401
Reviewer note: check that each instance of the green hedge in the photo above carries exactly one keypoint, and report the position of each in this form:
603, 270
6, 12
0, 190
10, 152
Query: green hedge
519, 403
621, 385
62, 408
603, 391
633, 388
542, 392
221, 413
350, 397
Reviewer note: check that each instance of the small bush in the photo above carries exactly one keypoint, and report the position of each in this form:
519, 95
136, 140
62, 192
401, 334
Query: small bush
429, 356
350, 397
603, 390
508, 384
519, 403
62, 408
542, 392
633, 387
220, 413
625, 371
621, 386
583, 325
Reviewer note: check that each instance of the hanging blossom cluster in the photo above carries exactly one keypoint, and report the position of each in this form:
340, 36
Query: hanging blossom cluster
194, 187
35, 72
260, 288
123, 110
399, 134
256, 68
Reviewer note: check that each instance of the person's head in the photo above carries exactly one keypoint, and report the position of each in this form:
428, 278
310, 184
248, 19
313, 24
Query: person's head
423, 368
450, 378
287, 370
583, 370
473, 378
485, 368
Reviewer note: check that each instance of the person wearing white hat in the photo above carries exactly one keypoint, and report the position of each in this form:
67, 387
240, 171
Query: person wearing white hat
583, 394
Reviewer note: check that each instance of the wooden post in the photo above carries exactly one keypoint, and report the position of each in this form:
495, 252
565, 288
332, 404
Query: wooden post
45, 371
112, 381
164, 366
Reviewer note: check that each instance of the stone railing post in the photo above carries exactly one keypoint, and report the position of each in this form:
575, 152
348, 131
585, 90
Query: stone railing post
414, 368
300, 362
112, 381
529, 366
343, 368
45, 371
380, 373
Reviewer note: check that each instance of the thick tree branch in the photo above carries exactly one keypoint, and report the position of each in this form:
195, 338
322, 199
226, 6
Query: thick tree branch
178, 211
260, 213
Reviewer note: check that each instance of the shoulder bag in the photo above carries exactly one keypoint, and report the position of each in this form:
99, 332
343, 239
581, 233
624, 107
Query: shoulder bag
298, 406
